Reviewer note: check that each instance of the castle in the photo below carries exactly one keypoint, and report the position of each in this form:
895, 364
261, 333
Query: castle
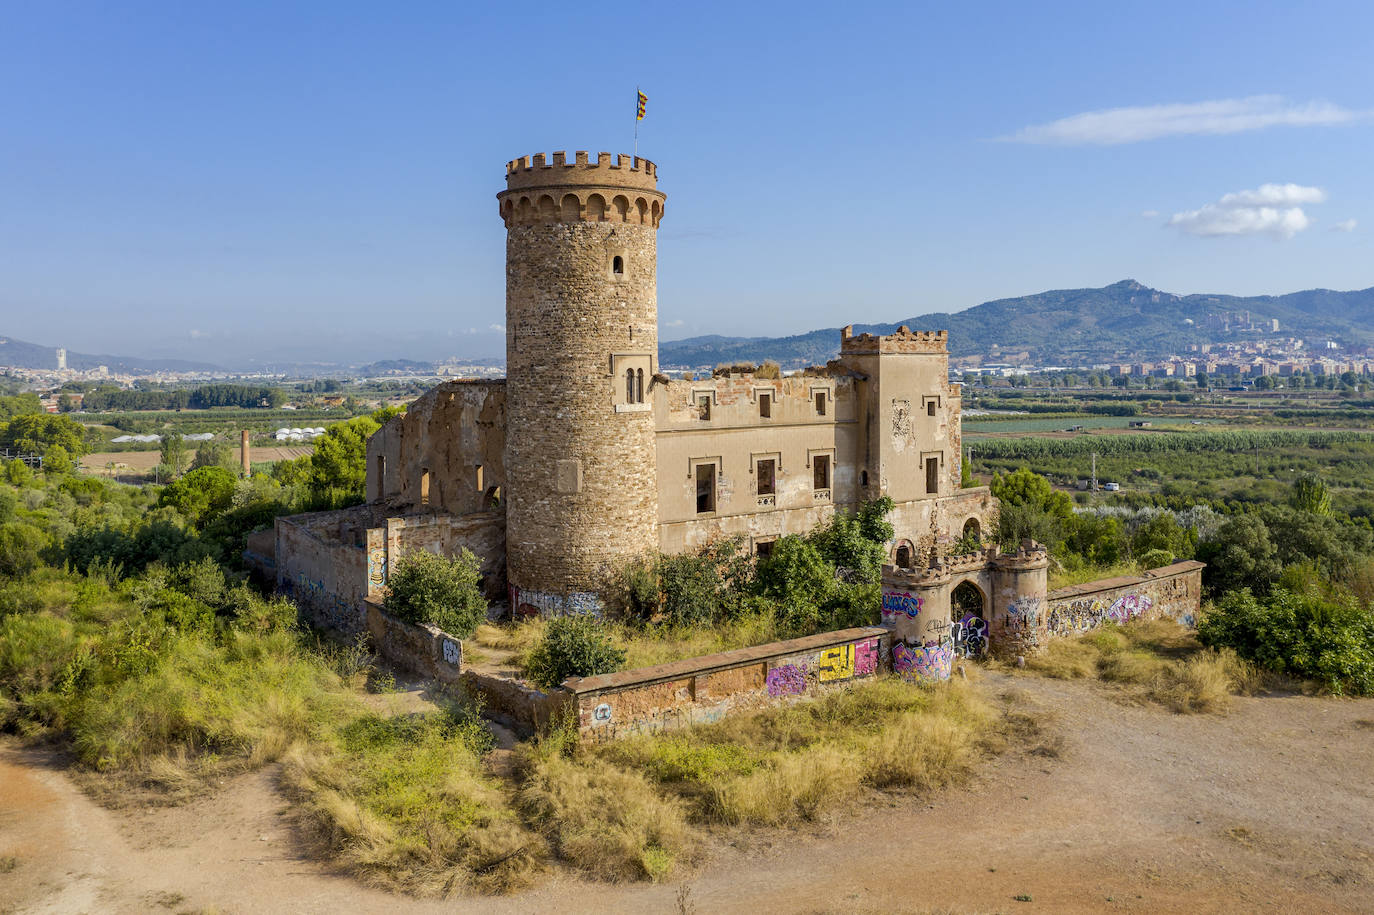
588, 455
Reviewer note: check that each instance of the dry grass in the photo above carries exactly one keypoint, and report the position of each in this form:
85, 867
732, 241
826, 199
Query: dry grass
1157, 660
1061, 577
607, 821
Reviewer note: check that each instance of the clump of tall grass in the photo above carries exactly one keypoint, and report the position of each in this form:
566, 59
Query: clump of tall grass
1155, 659
606, 820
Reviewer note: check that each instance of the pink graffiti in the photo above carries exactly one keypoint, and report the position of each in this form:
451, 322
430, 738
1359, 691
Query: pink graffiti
786, 680
922, 662
865, 657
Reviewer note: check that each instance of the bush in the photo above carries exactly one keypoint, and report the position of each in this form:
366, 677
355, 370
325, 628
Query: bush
1327, 640
425, 588
573, 646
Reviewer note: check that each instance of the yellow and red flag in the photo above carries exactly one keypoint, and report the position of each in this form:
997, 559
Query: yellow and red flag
639, 111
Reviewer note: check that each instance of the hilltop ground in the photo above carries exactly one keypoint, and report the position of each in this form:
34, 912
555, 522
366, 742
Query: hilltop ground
1131, 808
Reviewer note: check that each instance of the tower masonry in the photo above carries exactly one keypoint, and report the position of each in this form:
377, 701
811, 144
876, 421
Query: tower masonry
581, 353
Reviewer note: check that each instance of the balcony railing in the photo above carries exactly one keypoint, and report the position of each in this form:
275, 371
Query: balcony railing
768, 501
820, 495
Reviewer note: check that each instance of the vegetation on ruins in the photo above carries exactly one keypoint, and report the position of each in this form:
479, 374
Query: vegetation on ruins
572, 646
443, 591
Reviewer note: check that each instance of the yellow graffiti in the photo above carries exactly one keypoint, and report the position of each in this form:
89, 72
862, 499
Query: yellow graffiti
837, 663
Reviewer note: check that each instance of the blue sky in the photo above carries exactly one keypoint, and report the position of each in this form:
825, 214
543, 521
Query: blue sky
317, 180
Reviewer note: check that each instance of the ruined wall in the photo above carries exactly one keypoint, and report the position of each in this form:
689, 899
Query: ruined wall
1171, 592
484, 533
421, 649
455, 433
325, 575
524, 709
710, 687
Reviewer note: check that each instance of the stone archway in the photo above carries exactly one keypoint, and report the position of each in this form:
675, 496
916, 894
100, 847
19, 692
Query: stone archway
968, 612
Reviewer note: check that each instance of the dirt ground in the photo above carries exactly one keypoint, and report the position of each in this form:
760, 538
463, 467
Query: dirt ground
1269, 808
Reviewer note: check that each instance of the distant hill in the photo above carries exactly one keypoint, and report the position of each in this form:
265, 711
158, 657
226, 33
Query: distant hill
19, 354
1069, 326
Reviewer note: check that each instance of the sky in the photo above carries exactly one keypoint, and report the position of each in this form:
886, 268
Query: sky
246, 182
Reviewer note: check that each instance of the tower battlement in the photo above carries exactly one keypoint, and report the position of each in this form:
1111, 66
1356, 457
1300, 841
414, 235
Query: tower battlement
904, 340
540, 193
616, 171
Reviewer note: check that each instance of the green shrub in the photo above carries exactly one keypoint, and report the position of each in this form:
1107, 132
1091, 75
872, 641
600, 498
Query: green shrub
573, 646
1329, 640
425, 588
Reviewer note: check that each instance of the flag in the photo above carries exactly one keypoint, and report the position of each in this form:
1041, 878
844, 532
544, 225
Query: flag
639, 111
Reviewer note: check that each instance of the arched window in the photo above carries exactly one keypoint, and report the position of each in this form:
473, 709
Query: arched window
618, 265
629, 385
904, 554
863, 477
965, 601
639, 386
972, 531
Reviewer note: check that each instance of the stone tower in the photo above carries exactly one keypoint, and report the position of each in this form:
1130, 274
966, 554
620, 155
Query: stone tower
581, 352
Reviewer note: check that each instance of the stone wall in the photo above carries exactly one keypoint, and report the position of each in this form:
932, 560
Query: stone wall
1171, 592
482, 533
524, 709
421, 649
710, 687
324, 573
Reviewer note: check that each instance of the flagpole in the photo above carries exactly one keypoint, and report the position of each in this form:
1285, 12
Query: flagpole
636, 152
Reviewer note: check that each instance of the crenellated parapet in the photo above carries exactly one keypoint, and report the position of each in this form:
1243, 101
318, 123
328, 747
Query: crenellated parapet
904, 340
616, 189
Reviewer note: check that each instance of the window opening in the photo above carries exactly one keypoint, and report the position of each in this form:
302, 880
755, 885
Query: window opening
932, 475
629, 385
904, 556
704, 406
381, 476
930, 408
863, 477
767, 471
424, 487
706, 488
820, 403
480, 487
763, 549
765, 405
639, 386
820, 471
618, 265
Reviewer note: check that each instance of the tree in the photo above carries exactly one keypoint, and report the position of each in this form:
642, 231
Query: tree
1099, 539
201, 494
214, 454
174, 452
1241, 554
573, 646
37, 432
1310, 494
340, 458
427, 588
1161, 533
1030, 509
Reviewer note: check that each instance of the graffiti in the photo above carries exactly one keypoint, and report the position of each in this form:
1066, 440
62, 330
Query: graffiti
1023, 621
1128, 607
865, 658
929, 663
969, 636
606, 729
453, 652
897, 604
836, 663
1188, 619
1076, 616
602, 713
786, 680
525, 602
376, 567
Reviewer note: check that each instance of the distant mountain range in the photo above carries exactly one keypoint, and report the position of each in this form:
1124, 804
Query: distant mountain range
1070, 326
19, 354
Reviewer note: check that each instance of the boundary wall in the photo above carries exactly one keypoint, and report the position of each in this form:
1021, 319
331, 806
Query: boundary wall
420, 648
1169, 592
707, 688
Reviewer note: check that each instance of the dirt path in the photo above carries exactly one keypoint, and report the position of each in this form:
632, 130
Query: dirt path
1270, 808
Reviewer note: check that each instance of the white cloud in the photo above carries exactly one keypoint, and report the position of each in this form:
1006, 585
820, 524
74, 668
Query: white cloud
498, 328
1272, 209
197, 334
1114, 126
1150, 214
678, 323
1345, 225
